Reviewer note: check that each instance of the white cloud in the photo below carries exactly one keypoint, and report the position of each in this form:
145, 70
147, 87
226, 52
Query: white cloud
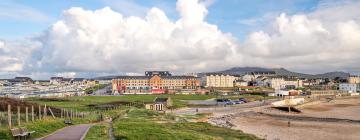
105, 41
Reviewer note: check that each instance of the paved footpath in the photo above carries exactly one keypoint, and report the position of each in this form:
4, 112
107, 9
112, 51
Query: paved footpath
76, 132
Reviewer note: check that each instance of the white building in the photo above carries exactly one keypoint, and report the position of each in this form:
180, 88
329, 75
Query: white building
278, 83
219, 80
352, 88
354, 79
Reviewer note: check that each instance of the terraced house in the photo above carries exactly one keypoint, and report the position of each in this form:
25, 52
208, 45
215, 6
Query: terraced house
154, 82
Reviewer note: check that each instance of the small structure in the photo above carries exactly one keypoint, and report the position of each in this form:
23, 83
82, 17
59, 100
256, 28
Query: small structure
160, 104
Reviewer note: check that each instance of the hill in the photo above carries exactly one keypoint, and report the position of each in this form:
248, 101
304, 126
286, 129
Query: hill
285, 72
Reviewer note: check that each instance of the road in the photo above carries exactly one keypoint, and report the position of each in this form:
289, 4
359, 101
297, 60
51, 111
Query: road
103, 90
223, 110
76, 132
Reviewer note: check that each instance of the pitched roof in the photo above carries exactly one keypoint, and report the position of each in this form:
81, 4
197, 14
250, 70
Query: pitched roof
160, 100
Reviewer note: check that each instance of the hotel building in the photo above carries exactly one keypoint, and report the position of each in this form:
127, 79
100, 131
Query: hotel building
154, 82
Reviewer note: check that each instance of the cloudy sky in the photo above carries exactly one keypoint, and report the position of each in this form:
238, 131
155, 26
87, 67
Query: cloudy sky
86, 38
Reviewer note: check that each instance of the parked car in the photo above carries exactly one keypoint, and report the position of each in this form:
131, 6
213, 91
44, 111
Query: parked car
243, 100
239, 102
223, 101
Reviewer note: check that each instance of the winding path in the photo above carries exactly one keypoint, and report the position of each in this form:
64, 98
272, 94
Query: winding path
76, 132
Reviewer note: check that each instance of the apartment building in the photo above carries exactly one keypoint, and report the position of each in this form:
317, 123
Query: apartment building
154, 82
219, 80
354, 79
348, 87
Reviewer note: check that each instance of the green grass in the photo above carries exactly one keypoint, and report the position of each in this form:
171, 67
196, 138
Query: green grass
97, 132
145, 124
94, 88
81, 103
43, 127
133, 129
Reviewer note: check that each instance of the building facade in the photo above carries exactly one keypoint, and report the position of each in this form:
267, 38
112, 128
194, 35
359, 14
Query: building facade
354, 79
219, 80
353, 88
153, 82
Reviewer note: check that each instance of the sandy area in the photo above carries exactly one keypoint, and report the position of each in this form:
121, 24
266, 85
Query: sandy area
342, 108
270, 127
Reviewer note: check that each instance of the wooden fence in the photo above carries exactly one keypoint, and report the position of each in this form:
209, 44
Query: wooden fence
15, 116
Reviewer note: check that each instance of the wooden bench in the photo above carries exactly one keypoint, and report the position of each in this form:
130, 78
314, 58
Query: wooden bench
28, 133
17, 134
68, 122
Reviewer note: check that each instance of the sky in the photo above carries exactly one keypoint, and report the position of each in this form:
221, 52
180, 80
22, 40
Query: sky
86, 38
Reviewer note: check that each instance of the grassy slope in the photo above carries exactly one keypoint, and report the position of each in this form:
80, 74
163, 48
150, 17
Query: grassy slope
42, 127
80, 103
98, 131
143, 124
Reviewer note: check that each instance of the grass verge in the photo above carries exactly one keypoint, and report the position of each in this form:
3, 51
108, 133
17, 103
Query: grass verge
98, 131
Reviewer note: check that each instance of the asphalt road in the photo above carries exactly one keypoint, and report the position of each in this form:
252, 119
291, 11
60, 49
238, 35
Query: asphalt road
76, 132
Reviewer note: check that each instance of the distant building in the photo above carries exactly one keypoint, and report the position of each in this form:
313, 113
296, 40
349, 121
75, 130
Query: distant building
353, 88
56, 80
238, 83
156, 82
219, 80
278, 82
354, 79
160, 104
158, 73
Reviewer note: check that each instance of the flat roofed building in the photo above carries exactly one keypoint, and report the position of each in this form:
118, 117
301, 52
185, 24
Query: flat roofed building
354, 79
353, 88
219, 80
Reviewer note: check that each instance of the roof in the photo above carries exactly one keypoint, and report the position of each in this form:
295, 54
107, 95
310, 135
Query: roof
147, 77
160, 100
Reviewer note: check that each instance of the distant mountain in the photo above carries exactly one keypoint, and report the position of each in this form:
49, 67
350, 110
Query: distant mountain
243, 70
285, 72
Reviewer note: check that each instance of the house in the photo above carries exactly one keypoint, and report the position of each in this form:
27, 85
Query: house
351, 88
160, 104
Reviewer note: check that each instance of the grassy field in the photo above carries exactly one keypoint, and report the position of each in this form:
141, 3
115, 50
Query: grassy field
42, 127
46, 126
143, 124
81, 103
98, 131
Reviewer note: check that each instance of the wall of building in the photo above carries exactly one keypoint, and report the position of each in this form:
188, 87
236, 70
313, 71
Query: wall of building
354, 79
219, 80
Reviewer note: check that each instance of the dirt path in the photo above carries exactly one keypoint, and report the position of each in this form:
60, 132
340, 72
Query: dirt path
76, 132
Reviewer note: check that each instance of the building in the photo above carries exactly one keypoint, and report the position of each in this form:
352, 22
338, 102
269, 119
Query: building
156, 82
278, 82
160, 104
239, 83
56, 80
352, 88
354, 79
219, 80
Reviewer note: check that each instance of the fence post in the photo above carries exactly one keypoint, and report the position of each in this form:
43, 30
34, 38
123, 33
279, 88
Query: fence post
52, 114
26, 114
39, 112
32, 113
18, 116
9, 116
45, 112
61, 113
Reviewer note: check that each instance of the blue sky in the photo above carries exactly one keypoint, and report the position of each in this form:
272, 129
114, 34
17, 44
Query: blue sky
238, 17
